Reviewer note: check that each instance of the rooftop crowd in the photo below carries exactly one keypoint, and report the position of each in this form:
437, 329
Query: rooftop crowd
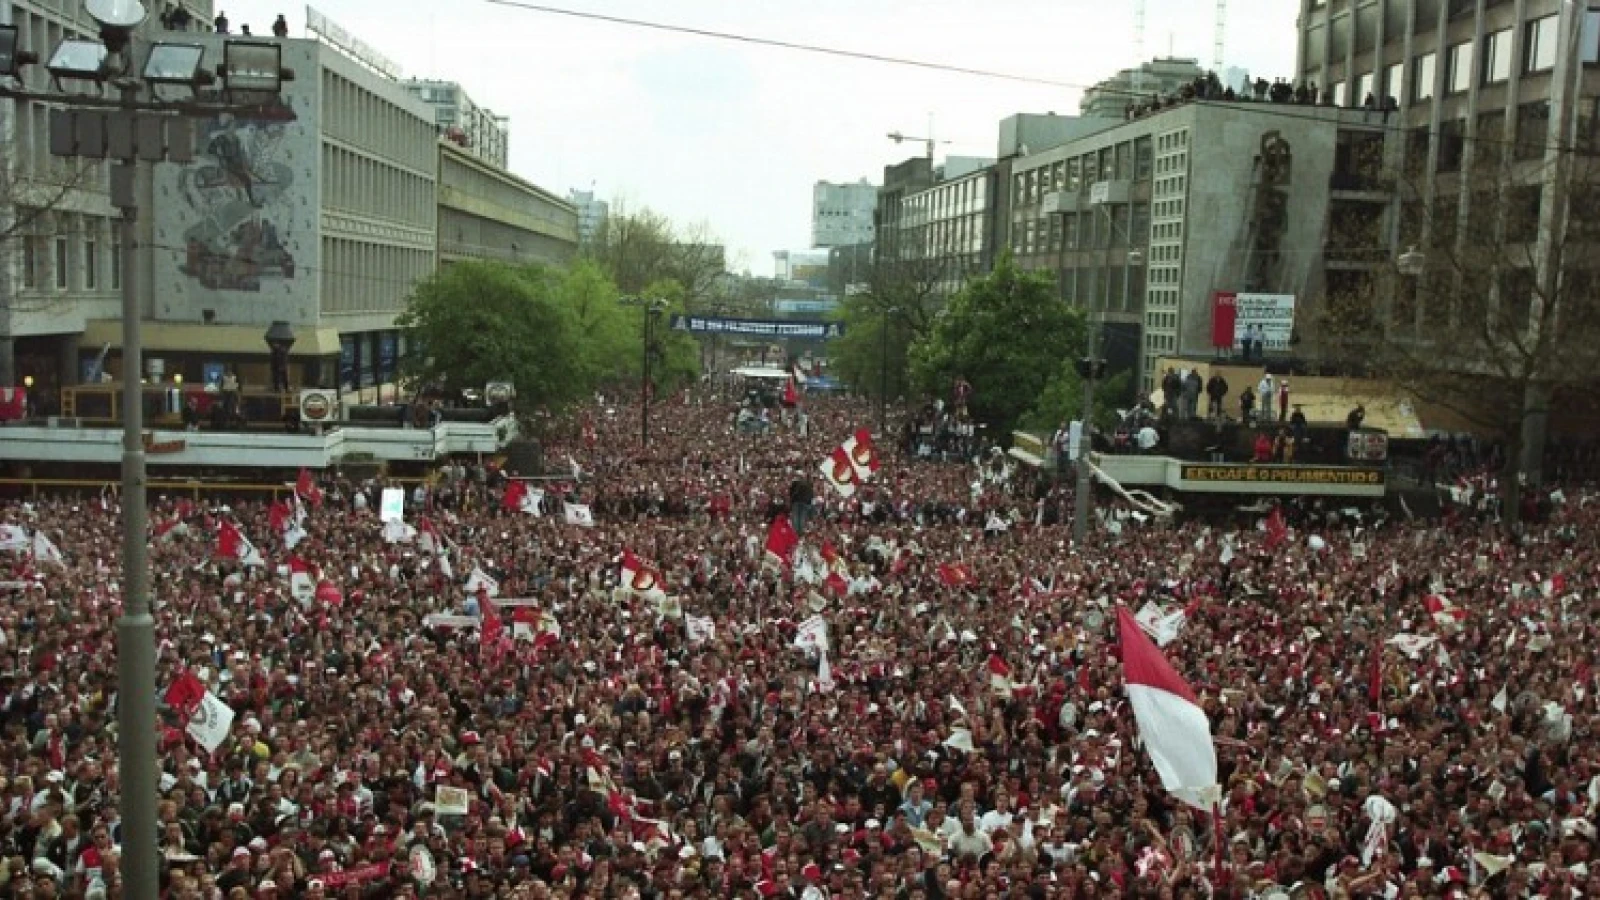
968, 737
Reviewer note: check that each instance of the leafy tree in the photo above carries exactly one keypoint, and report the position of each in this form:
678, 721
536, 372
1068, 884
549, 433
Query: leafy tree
477, 322
608, 333
1062, 400
636, 249
903, 297
1008, 334
677, 355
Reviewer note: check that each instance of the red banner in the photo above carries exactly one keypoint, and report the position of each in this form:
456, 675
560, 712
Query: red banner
1224, 318
359, 875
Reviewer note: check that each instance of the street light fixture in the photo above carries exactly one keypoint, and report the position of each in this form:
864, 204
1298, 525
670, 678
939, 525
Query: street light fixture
134, 129
77, 59
252, 67
11, 59
176, 64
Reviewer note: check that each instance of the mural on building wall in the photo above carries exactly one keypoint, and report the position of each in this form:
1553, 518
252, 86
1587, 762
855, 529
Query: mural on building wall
239, 191
237, 238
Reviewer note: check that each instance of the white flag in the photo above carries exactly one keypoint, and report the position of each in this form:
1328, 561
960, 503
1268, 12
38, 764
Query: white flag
700, 629
824, 674
812, 634
397, 532
45, 550
293, 535
1501, 700
578, 514
479, 579
13, 537
210, 723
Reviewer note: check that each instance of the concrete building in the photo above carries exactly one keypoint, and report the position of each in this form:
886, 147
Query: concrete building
60, 263
900, 179
592, 214
1143, 223
1027, 133
950, 228
1110, 99
841, 214
466, 124
486, 212
328, 225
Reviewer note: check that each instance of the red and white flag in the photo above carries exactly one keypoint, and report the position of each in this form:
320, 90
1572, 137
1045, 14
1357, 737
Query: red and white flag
999, 674
429, 540
1172, 725
956, 575
535, 626
840, 472
302, 581
328, 593
1444, 612
520, 498
232, 544
639, 577
863, 455
838, 577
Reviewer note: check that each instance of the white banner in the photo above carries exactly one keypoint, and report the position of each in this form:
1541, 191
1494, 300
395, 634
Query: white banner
700, 629
451, 801
812, 635
1274, 313
444, 620
479, 579
578, 514
211, 722
392, 508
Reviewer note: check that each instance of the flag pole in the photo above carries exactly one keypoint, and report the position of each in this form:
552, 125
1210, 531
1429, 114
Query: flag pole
1218, 840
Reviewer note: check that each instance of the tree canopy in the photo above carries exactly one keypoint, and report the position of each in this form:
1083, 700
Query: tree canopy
556, 334
903, 297
1008, 334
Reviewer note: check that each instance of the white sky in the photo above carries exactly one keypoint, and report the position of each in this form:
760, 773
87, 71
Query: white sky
734, 135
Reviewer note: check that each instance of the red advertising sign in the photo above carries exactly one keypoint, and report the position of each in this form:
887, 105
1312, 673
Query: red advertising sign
1224, 318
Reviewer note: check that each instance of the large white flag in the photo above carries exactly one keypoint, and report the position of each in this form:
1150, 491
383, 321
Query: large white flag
481, 579
812, 634
44, 550
13, 537
211, 722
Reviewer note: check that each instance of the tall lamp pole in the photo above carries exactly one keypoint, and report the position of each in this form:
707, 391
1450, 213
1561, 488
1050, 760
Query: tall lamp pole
1090, 370
883, 371
652, 318
127, 130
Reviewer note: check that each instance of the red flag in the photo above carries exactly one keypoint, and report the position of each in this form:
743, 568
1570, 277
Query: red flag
838, 577
492, 628
305, 487
278, 516
781, 539
232, 544
955, 575
1277, 529
329, 594
513, 498
791, 395
1171, 723
185, 693
998, 666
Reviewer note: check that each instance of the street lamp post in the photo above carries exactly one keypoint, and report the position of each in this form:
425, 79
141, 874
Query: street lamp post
126, 129
883, 372
652, 320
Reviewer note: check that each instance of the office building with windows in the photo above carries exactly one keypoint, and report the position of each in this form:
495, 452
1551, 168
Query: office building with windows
841, 214
592, 214
1142, 223
487, 213
948, 228
464, 123
1112, 97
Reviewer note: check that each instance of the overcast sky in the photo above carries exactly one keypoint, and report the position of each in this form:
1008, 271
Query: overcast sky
734, 135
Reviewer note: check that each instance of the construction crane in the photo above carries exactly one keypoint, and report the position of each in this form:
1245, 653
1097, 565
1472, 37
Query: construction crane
1218, 36
899, 138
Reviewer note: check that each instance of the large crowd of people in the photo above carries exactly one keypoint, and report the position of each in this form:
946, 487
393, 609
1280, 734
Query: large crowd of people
1401, 708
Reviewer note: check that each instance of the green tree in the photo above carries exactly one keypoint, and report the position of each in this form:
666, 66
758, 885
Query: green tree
1008, 334
902, 296
607, 332
677, 354
1062, 400
476, 322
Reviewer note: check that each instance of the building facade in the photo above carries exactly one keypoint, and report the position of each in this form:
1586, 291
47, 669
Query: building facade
949, 227
60, 262
486, 212
1143, 223
1111, 98
469, 126
842, 214
899, 180
592, 214
320, 213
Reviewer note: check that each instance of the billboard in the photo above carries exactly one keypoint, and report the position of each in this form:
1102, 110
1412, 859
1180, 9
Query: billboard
773, 328
1273, 313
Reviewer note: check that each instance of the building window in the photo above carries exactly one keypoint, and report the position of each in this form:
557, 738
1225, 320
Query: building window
1422, 78
1533, 129
1539, 47
1364, 94
1458, 76
116, 266
1589, 52
61, 263
1497, 57
30, 262
91, 265
1391, 87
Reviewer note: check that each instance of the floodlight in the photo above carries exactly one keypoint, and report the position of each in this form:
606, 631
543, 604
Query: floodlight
252, 66
118, 14
175, 64
11, 59
77, 58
